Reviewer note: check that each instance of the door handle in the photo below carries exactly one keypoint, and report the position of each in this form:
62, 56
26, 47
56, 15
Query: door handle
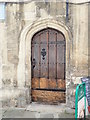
33, 63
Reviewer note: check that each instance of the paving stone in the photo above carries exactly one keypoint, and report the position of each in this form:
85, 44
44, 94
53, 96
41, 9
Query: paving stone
29, 114
46, 115
0, 115
66, 115
13, 114
37, 115
56, 115
0, 112
70, 111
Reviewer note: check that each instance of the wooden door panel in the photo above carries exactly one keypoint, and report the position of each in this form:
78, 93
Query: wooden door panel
60, 71
44, 73
60, 62
35, 57
52, 37
52, 83
43, 35
52, 65
35, 83
35, 61
60, 53
44, 83
60, 37
54, 97
61, 84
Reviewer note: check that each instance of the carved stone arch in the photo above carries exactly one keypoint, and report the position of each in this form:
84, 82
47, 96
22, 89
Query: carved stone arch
24, 65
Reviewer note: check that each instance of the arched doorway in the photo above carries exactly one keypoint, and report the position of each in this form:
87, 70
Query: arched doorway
48, 61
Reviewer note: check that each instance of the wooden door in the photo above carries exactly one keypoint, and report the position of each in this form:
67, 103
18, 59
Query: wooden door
48, 66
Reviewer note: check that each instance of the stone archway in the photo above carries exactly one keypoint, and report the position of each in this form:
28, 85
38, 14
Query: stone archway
24, 65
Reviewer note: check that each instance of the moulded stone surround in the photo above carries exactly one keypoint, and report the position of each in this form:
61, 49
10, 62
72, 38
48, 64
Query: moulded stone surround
24, 66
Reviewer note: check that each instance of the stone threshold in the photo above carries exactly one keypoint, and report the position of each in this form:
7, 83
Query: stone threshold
39, 107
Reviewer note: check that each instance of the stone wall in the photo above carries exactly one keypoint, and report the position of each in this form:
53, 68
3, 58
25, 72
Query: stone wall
21, 23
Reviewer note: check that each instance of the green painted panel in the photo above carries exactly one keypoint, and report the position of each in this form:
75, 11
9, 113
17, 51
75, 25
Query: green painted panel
80, 93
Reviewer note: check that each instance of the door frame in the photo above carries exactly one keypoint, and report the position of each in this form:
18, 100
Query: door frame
24, 69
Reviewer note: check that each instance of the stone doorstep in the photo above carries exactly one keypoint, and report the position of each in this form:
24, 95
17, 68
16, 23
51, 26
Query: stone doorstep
40, 111
13, 113
35, 110
43, 108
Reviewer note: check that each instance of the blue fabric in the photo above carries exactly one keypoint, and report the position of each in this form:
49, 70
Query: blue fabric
87, 82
